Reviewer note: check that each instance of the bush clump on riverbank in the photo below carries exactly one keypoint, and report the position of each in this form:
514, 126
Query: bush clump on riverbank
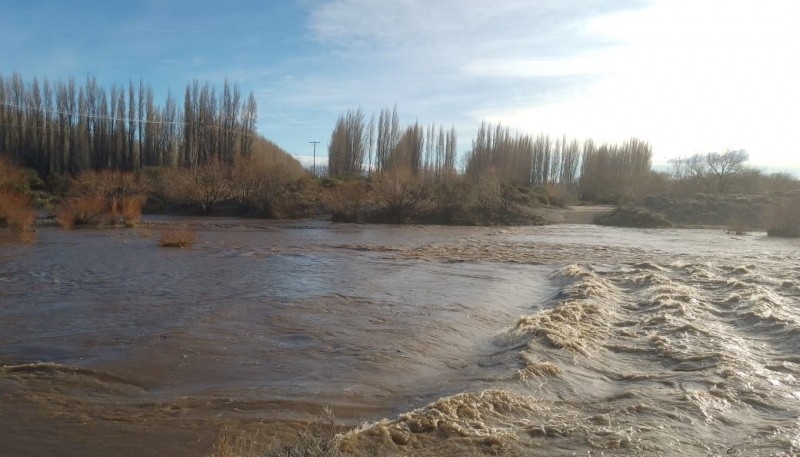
401, 198
627, 216
784, 219
102, 198
16, 212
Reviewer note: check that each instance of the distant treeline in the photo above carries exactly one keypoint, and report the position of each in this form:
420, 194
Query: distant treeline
64, 127
360, 147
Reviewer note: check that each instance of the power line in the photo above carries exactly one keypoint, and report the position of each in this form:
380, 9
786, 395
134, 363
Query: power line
114, 118
88, 115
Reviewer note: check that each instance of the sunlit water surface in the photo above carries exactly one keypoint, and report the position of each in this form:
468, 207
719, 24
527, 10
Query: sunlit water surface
558, 340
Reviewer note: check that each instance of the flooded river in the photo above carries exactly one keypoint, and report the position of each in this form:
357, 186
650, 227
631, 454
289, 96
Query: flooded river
556, 340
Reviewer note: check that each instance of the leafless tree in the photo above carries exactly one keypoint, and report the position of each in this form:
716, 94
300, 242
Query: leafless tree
608, 171
712, 171
348, 145
388, 136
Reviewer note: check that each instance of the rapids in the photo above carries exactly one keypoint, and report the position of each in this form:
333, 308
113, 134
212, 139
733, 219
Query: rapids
556, 340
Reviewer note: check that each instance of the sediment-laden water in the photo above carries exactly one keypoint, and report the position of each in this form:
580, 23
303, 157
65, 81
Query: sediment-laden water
557, 340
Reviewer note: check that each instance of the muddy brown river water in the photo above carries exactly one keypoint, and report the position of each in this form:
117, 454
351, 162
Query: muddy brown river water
556, 340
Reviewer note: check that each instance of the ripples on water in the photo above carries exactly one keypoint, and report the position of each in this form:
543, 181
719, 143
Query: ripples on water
561, 340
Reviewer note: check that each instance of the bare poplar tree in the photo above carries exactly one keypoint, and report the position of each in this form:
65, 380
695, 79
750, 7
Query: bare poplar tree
387, 138
348, 145
408, 153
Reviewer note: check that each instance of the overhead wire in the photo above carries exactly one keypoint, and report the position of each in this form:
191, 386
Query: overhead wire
114, 118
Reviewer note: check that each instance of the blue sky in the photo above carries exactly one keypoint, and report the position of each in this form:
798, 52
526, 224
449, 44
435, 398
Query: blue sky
689, 76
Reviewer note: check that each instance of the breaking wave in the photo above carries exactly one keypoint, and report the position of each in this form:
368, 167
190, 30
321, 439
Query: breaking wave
638, 359
571, 340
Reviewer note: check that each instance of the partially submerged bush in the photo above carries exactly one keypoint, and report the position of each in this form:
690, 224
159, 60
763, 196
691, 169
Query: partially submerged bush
128, 210
16, 212
498, 202
15, 203
349, 201
449, 202
626, 216
784, 219
102, 198
83, 211
400, 196
253, 187
177, 237
319, 439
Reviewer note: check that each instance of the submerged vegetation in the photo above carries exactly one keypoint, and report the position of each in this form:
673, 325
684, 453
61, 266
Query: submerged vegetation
626, 216
319, 439
16, 212
177, 237
785, 218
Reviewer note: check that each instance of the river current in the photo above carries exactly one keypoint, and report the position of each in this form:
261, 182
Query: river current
555, 340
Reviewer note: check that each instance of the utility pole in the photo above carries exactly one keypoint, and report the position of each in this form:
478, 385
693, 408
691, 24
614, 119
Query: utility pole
314, 170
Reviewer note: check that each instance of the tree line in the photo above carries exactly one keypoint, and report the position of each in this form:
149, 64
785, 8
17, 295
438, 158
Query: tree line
358, 146
64, 127
522, 159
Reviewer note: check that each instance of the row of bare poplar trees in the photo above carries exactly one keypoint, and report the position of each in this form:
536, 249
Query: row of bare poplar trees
64, 127
522, 159
598, 171
358, 145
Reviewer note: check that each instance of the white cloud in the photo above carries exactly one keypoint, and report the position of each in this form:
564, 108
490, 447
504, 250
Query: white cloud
440, 60
687, 75
690, 77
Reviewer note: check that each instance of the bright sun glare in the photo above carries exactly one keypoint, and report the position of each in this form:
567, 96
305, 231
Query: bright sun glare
689, 76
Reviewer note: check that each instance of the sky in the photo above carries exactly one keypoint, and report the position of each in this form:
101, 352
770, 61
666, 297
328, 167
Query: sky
689, 76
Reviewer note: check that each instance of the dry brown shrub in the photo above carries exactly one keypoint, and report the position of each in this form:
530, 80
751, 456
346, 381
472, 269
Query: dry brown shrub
107, 184
102, 198
12, 178
127, 210
177, 237
349, 201
16, 212
17, 215
783, 218
205, 186
400, 194
82, 211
